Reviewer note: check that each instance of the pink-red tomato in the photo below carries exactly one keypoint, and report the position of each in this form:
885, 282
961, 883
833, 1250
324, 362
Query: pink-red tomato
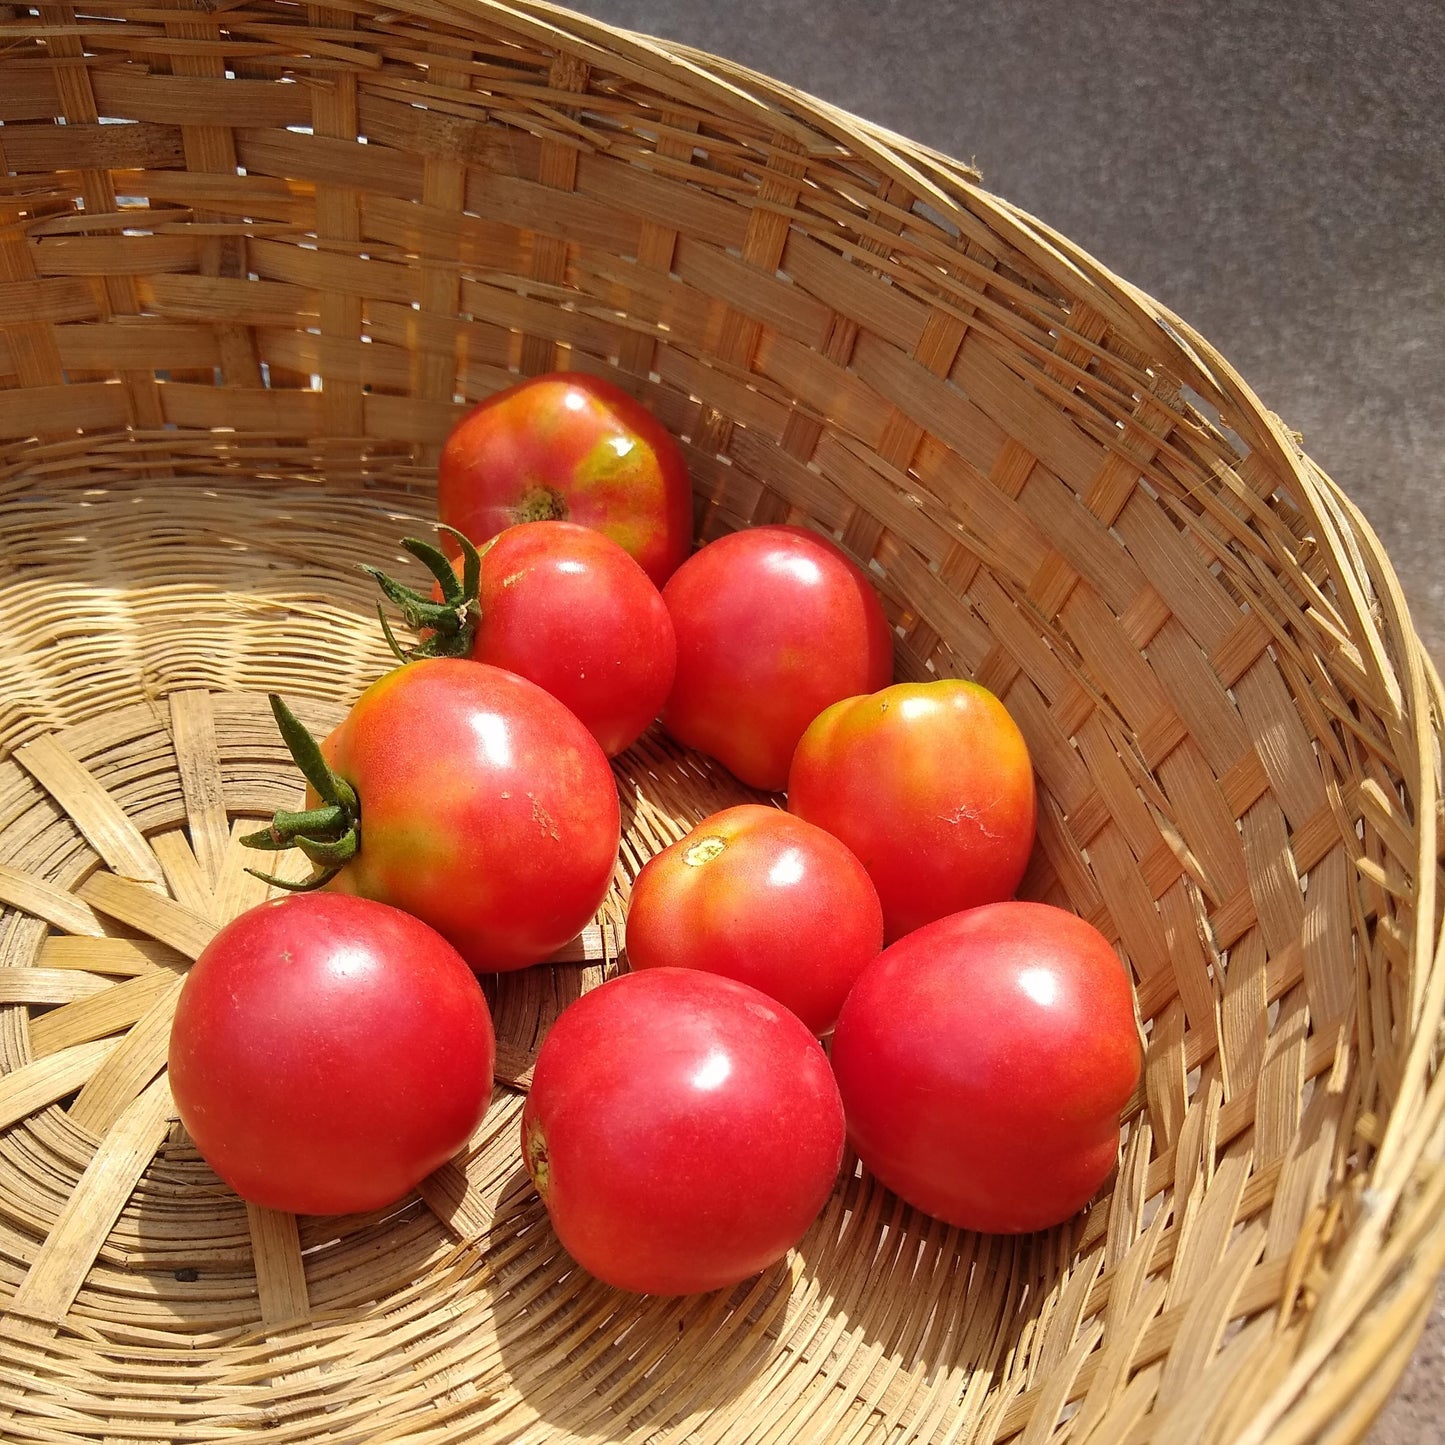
328, 1053
758, 895
773, 625
930, 784
682, 1129
565, 607
485, 808
572, 447
984, 1061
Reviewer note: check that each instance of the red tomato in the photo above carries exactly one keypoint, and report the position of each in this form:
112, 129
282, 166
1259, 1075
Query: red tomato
567, 608
755, 894
328, 1053
773, 624
983, 1062
485, 808
574, 447
930, 784
561, 605
682, 1129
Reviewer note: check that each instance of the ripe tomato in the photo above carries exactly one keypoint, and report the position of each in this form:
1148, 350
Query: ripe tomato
467, 796
930, 784
328, 1053
755, 894
682, 1129
561, 605
574, 447
983, 1062
773, 624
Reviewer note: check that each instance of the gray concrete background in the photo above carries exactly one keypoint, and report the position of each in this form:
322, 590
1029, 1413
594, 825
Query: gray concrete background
1273, 171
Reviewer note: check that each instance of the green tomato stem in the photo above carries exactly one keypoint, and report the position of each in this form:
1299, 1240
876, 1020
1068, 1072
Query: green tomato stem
309, 885
452, 622
330, 836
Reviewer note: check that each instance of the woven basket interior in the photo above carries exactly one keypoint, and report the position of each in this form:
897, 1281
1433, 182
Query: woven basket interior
245, 287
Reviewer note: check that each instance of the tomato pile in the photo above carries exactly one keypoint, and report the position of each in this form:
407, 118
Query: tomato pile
851, 967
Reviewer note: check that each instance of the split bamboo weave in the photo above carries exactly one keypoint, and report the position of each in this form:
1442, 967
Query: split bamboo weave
255, 258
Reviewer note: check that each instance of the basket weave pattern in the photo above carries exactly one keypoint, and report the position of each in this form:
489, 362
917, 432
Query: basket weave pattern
233, 331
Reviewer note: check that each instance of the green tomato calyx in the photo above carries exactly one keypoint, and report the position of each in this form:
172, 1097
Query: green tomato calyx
452, 622
329, 835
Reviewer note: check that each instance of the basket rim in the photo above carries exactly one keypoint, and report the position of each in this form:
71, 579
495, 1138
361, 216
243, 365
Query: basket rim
1374, 1285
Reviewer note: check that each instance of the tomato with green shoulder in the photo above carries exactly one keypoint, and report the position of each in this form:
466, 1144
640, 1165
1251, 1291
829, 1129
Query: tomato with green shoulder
465, 795
573, 447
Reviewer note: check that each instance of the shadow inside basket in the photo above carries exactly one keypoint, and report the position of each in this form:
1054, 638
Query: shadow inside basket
875, 1301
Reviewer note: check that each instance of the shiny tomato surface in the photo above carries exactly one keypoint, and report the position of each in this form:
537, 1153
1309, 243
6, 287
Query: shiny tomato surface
931, 785
572, 447
487, 809
773, 625
565, 607
683, 1130
984, 1061
328, 1053
758, 895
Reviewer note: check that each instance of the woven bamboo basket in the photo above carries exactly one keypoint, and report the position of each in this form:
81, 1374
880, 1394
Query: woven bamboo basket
254, 260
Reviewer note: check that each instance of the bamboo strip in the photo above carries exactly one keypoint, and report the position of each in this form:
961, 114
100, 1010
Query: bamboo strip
280, 1273
193, 732
103, 823
48, 985
122, 957
185, 878
57, 1272
131, 1065
44, 900
160, 918
49, 1078
118, 1007
596, 943
236, 888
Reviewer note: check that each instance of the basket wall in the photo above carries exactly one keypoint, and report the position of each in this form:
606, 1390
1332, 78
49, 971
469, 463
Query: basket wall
267, 258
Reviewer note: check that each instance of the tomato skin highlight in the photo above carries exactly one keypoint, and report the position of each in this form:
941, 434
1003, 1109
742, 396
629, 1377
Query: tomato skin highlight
487, 809
328, 1053
931, 785
573, 447
983, 1062
755, 894
773, 625
683, 1130
567, 608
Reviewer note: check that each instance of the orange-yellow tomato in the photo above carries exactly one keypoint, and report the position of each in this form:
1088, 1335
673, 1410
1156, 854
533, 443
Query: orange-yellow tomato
930, 784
